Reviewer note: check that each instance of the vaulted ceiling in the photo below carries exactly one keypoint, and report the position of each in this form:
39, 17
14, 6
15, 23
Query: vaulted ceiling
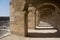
38, 2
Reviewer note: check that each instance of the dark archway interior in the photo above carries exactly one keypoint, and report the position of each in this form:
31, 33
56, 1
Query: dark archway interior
48, 17
38, 2
48, 13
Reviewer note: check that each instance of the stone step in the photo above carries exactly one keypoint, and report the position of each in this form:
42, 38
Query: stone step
42, 31
45, 27
42, 25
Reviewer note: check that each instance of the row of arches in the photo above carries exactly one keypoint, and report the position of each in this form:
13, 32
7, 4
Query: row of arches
47, 9
46, 12
43, 11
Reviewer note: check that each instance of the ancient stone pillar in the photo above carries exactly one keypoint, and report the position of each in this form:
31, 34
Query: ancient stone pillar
17, 17
37, 17
31, 17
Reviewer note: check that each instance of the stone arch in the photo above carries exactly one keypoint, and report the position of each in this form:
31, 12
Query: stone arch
48, 4
49, 11
55, 10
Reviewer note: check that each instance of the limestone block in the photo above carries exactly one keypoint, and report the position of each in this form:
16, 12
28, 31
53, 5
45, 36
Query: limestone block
17, 26
18, 5
17, 17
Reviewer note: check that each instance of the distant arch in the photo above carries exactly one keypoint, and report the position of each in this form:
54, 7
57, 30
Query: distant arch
51, 6
47, 4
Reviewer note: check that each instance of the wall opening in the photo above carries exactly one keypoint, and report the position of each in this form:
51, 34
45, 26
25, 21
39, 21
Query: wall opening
45, 21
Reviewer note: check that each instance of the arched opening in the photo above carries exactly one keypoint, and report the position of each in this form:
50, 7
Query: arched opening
47, 12
20, 22
45, 21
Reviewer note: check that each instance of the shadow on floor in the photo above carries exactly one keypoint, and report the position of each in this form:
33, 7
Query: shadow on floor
44, 35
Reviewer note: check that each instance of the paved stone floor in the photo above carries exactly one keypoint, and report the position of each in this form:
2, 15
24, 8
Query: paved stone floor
45, 32
35, 33
16, 37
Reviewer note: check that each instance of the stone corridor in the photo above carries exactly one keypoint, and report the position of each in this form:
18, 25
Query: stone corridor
42, 32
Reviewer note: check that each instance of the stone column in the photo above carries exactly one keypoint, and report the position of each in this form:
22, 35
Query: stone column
37, 18
31, 18
17, 17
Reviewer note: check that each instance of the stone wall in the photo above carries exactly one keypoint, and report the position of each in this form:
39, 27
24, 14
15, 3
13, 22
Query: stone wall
20, 19
17, 17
